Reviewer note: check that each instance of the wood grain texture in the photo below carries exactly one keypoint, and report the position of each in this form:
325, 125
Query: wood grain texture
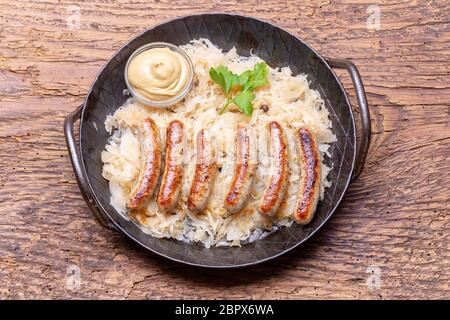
395, 216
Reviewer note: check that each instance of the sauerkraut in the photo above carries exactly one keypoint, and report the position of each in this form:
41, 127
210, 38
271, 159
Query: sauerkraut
288, 99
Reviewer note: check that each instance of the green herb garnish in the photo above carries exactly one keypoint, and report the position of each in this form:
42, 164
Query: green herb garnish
239, 88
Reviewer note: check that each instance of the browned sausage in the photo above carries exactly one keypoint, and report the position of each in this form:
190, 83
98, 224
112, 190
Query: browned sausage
277, 180
150, 165
243, 172
205, 171
310, 166
169, 190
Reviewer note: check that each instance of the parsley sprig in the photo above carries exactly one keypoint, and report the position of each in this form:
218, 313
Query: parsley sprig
239, 88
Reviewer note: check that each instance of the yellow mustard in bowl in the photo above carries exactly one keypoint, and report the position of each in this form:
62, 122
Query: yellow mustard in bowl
159, 74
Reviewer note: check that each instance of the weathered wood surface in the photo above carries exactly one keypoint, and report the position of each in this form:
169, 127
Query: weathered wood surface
395, 216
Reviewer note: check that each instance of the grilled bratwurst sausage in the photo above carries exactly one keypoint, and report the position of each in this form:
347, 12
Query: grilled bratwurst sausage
309, 190
205, 171
169, 190
150, 165
243, 172
276, 182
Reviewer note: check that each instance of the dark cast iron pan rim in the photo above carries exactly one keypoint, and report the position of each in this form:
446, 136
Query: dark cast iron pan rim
104, 218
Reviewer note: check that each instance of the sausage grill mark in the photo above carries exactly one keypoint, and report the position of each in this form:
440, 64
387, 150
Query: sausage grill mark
276, 182
205, 171
309, 189
243, 172
150, 165
169, 190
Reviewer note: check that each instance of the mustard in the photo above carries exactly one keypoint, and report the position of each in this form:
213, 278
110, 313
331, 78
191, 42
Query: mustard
158, 74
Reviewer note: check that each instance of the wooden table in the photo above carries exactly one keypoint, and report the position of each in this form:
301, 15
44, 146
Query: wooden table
392, 226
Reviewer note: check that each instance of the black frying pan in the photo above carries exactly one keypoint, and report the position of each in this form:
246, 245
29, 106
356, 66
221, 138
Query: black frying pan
278, 48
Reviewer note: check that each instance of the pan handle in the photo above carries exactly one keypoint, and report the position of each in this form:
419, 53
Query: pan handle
78, 169
363, 106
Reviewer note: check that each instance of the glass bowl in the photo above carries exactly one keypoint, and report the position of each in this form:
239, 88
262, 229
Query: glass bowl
173, 100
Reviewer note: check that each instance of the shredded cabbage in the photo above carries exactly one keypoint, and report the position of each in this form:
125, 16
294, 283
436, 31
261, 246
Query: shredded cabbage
290, 101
